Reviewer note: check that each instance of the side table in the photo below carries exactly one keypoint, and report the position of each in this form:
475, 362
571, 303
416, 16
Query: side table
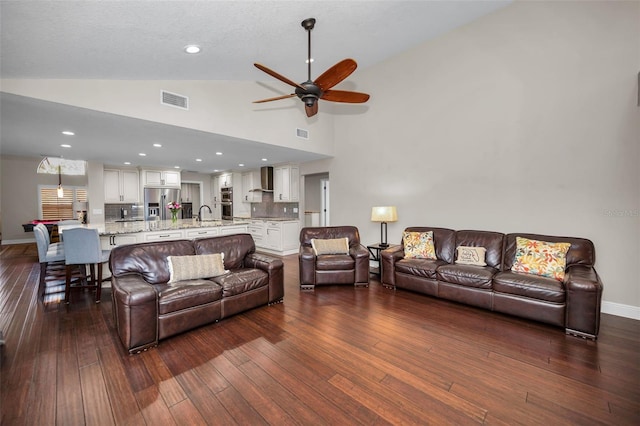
374, 252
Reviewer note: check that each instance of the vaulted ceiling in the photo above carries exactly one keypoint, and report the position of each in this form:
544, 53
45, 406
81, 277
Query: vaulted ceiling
144, 40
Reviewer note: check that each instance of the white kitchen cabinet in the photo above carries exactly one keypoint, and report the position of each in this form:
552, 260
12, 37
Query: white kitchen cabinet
233, 229
121, 186
286, 183
201, 233
108, 242
185, 193
226, 180
257, 230
163, 235
281, 237
216, 209
161, 178
251, 180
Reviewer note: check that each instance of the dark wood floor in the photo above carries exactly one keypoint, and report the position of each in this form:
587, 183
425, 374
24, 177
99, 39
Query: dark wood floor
337, 355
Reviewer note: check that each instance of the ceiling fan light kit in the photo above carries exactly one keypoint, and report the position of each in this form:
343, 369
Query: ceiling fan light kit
310, 92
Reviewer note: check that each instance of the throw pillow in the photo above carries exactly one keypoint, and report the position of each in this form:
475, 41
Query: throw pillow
418, 245
197, 266
330, 246
471, 255
540, 258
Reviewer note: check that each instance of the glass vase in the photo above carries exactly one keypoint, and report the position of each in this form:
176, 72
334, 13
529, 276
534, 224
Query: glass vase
174, 216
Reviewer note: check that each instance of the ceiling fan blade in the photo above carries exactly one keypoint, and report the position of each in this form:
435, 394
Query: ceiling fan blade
311, 110
278, 76
277, 98
345, 96
336, 74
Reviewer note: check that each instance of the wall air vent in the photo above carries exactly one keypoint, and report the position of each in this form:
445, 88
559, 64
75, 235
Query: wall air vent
174, 100
302, 134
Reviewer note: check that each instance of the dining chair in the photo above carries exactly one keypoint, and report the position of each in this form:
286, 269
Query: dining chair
49, 255
82, 247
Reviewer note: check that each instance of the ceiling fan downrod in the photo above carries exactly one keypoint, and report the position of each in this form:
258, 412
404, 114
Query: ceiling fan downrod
308, 25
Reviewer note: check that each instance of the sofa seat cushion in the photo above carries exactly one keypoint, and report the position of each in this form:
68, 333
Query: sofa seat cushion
242, 280
187, 294
532, 286
467, 275
335, 262
425, 268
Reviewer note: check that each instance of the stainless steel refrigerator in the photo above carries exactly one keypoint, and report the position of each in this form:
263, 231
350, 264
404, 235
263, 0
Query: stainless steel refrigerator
156, 200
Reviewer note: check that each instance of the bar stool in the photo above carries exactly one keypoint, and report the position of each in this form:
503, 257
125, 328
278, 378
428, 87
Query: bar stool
82, 247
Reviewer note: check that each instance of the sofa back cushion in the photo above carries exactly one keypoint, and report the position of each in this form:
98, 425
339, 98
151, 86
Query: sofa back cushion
491, 241
581, 252
148, 259
329, 233
235, 247
444, 240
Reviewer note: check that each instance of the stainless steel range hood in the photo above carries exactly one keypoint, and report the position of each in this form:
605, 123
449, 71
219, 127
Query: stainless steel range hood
266, 179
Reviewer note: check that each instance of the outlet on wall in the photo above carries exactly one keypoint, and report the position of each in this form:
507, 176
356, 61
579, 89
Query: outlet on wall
285, 209
295, 210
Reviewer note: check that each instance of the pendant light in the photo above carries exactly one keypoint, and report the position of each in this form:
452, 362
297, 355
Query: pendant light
60, 190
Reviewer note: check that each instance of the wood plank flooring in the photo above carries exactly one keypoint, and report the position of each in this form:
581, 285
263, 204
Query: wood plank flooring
337, 355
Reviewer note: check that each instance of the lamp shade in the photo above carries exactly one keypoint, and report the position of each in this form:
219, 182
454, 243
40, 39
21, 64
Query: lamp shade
384, 214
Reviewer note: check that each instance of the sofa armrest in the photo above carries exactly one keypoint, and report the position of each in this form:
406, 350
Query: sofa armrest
584, 295
389, 257
360, 255
135, 307
274, 268
307, 266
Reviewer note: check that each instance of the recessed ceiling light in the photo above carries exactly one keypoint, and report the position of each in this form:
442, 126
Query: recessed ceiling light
218, 153
216, 170
192, 48
240, 165
157, 145
176, 167
264, 159
68, 133
65, 145
198, 159
142, 154
127, 163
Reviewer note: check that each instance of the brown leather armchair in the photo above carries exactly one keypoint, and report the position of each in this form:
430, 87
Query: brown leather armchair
351, 268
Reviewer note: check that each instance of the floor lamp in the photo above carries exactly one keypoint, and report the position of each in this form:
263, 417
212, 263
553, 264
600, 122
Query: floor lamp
383, 215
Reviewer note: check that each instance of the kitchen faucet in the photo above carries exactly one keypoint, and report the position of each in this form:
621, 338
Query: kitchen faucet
200, 211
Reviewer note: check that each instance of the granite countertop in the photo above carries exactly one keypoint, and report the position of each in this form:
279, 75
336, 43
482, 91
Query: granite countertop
275, 219
156, 225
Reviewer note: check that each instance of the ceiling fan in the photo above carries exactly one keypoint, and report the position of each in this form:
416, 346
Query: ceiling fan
311, 91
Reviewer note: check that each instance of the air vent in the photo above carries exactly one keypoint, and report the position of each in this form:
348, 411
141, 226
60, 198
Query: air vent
302, 134
174, 100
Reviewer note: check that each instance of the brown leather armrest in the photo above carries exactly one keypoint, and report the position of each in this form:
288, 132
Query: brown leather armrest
584, 295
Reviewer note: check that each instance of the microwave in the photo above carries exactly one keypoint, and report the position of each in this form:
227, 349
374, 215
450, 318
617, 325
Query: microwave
226, 195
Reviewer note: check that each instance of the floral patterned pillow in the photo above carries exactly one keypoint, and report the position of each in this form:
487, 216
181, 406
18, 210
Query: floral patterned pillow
418, 245
541, 258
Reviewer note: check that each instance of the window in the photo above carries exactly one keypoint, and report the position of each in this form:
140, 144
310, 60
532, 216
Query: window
52, 207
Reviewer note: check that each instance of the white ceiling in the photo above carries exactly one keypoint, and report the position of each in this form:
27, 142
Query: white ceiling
144, 40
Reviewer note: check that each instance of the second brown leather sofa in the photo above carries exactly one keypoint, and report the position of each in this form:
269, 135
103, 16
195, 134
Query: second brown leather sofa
573, 303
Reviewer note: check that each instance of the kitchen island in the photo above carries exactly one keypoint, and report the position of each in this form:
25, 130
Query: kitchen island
118, 233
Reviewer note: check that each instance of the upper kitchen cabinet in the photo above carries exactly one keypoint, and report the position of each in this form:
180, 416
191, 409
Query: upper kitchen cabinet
161, 178
251, 181
121, 186
226, 180
286, 183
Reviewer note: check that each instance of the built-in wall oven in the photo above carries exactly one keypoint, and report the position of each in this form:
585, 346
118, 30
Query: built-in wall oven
226, 197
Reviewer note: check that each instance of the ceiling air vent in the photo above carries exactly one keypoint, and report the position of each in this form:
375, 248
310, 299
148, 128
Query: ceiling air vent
302, 134
174, 100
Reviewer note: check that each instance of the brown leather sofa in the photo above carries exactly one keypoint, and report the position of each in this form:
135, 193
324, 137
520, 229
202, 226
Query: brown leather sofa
573, 303
147, 308
351, 268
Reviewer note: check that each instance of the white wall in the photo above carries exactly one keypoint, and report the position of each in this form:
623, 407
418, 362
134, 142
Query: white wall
523, 121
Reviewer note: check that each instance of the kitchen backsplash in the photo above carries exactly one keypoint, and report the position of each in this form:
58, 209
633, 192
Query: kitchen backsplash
113, 211
267, 208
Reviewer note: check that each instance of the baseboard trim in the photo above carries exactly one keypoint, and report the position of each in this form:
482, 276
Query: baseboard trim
620, 310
